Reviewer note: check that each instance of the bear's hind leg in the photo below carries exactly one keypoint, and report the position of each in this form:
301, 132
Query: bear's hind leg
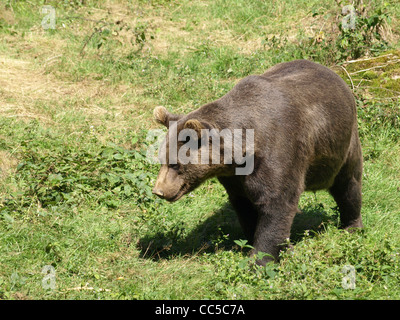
347, 194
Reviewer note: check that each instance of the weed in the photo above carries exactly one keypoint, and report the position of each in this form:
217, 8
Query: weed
365, 35
67, 175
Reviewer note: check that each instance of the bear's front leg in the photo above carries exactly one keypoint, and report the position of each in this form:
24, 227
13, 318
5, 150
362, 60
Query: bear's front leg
273, 230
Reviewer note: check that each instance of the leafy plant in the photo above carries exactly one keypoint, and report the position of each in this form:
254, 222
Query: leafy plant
363, 33
66, 175
115, 34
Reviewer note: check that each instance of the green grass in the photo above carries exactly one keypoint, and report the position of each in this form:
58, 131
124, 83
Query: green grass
75, 189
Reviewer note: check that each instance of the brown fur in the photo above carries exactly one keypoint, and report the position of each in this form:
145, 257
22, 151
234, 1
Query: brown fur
306, 138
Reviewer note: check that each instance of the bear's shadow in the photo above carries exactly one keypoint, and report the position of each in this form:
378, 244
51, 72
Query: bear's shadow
220, 231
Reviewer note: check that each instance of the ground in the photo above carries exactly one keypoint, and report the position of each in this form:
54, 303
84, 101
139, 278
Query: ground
75, 190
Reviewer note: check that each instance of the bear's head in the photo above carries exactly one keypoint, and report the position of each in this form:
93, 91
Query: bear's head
191, 153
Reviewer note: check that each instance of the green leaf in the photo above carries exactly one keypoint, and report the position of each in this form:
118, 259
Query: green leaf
118, 156
127, 190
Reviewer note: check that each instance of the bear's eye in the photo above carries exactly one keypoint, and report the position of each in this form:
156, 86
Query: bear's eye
174, 166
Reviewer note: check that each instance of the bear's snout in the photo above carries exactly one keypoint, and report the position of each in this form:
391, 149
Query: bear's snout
158, 192
169, 184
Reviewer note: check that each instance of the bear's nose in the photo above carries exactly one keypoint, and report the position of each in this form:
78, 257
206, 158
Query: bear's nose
158, 192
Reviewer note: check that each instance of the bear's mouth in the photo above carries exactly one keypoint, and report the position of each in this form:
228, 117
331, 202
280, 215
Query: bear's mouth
182, 191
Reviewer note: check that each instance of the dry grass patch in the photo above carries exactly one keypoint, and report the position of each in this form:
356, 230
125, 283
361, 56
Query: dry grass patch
8, 164
28, 93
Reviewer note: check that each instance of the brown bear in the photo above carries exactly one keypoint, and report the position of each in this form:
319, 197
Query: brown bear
305, 138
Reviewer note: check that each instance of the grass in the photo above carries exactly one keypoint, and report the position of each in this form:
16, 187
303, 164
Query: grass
75, 189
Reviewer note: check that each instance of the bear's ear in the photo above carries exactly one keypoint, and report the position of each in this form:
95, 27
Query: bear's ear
196, 125
161, 115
